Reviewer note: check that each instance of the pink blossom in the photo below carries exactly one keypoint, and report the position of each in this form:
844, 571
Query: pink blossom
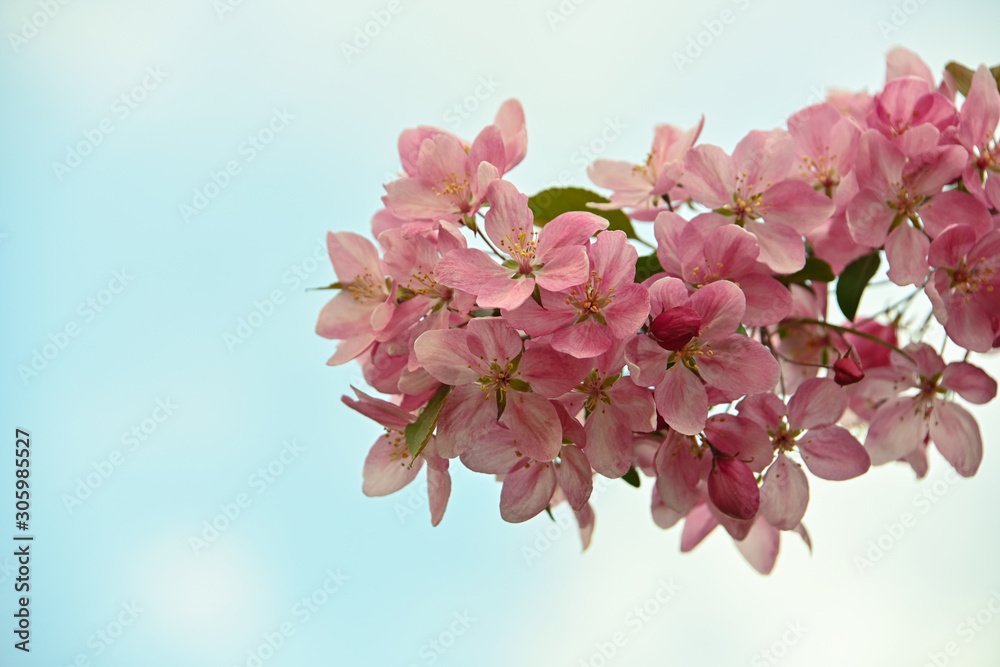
530, 485
903, 423
724, 457
362, 306
446, 179
496, 379
751, 188
825, 143
389, 466
648, 187
586, 319
700, 254
614, 409
976, 132
554, 259
899, 191
965, 287
693, 346
807, 426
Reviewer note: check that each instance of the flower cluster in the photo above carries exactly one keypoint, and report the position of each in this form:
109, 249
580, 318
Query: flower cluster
528, 339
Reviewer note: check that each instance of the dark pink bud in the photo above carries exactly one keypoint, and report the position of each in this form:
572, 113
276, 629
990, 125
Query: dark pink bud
847, 371
672, 329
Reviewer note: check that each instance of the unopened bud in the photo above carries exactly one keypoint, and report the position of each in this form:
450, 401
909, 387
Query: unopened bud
847, 371
673, 329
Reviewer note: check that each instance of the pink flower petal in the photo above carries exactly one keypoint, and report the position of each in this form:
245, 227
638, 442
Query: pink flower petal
681, 400
831, 452
564, 268
764, 408
817, 402
663, 516
534, 423
575, 476
609, 442
970, 382
796, 205
444, 353
698, 523
584, 340
906, 251
678, 473
957, 436
742, 439
647, 361
955, 207
760, 546
784, 494
527, 491
721, 306
739, 364
781, 247
509, 222
568, 229
387, 467
438, 492
710, 176
896, 430
469, 269
467, 415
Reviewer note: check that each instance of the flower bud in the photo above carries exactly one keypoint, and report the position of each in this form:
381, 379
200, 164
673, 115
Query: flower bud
847, 371
673, 328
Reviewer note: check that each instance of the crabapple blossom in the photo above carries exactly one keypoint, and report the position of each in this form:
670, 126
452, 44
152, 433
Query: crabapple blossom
547, 344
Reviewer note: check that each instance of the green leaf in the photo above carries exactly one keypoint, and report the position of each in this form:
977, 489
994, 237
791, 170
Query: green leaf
336, 285
646, 266
548, 510
419, 432
815, 270
632, 477
854, 280
963, 76
551, 203
742, 330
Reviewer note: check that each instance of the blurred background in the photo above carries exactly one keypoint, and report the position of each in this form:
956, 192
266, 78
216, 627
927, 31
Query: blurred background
169, 173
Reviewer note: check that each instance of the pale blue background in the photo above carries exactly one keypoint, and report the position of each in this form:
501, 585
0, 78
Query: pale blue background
163, 337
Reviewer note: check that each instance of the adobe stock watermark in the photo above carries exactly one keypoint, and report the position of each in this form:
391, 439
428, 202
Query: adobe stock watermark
120, 110
248, 151
134, 438
562, 12
432, 650
88, 309
264, 309
32, 24
225, 7
634, 621
107, 635
301, 613
366, 33
563, 523
773, 654
587, 152
231, 511
967, 630
900, 16
698, 43
922, 501
460, 111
